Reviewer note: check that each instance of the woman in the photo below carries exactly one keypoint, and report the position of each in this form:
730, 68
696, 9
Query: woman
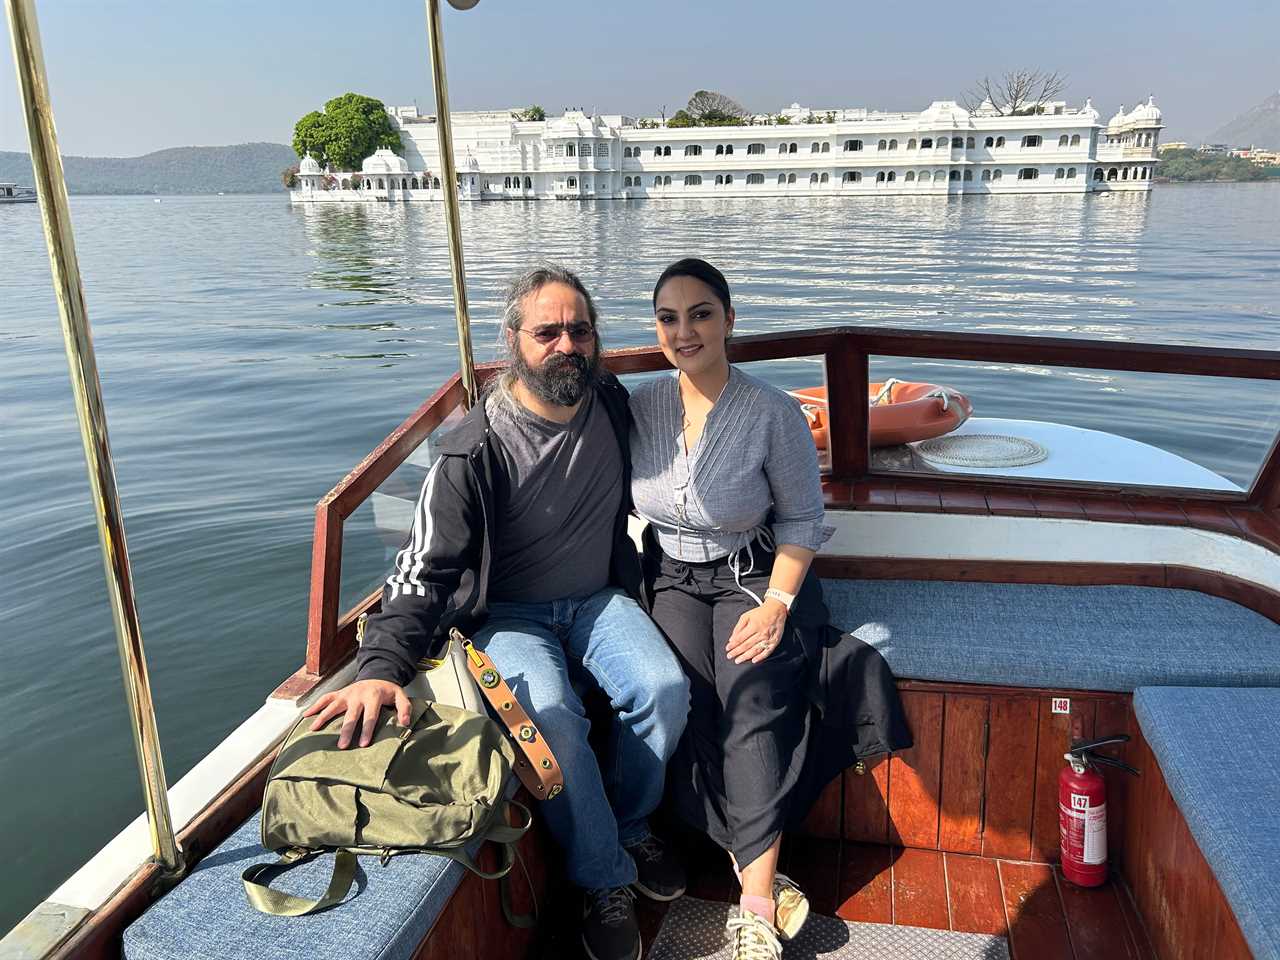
726, 474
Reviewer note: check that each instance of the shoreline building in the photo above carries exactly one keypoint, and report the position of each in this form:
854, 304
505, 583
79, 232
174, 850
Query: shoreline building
943, 150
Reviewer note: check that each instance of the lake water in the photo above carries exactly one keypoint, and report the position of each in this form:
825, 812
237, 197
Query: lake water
251, 353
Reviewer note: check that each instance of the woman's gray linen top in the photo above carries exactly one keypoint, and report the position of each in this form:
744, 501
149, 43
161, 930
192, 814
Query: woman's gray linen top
755, 455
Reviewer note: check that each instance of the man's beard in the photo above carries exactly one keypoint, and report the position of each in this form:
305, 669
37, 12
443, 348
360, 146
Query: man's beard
562, 379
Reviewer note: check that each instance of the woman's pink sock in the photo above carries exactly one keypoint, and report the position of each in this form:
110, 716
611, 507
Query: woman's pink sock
760, 906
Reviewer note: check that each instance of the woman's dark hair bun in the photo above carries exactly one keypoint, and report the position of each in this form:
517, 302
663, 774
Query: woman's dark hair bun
699, 270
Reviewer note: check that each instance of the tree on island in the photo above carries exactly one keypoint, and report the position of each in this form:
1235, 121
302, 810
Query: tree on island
1015, 94
710, 109
350, 128
533, 113
1190, 165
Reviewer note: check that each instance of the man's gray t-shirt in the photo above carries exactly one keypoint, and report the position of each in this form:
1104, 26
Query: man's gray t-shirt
554, 535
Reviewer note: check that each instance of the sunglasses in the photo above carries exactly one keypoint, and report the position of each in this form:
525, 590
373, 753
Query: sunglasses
578, 332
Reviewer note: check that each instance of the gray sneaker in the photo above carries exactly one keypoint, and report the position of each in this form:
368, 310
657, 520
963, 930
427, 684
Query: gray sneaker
609, 928
659, 873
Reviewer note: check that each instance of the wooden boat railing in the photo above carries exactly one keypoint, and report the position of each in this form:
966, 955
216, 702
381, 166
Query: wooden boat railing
845, 352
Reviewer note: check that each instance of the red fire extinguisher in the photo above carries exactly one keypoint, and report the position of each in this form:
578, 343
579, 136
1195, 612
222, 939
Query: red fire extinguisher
1082, 811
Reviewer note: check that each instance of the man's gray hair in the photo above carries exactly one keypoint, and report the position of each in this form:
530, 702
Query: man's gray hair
531, 281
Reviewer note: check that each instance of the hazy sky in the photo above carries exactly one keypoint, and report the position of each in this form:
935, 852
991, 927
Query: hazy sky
130, 77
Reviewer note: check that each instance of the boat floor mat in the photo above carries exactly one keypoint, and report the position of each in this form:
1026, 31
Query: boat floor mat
693, 929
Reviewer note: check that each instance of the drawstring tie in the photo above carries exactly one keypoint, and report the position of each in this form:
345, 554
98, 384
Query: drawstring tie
765, 536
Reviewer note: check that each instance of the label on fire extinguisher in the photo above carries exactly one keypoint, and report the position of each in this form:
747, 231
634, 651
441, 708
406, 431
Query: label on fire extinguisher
1093, 820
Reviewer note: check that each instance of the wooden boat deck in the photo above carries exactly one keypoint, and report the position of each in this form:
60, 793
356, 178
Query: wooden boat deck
1043, 916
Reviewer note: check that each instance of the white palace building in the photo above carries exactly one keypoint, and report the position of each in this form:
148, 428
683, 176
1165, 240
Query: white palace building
940, 151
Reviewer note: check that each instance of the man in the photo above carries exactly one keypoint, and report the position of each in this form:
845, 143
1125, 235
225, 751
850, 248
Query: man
520, 537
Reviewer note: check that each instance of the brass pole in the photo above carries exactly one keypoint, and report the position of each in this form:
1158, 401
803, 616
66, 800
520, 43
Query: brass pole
55, 211
449, 181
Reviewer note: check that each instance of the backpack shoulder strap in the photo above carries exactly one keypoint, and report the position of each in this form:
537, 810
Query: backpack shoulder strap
281, 904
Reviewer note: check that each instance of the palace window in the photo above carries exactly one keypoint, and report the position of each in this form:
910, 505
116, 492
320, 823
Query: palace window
755, 149
666, 151
1071, 173
794, 147
719, 180
435, 183
506, 183
782, 179
1146, 173
626, 152
1060, 174
813, 147
851, 176
852, 145
1124, 174
1075, 139
882, 145
570, 149
380, 183
926, 143
968, 175
1063, 140
999, 141
693, 150
1031, 140
1098, 175
893, 144
989, 142
666, 181
925, 176
824, 178
414, 183
626, 181
782, 148
968, 143
791, 178
602, 150
693, 180
997, 174
911, 144
728, 179
1113, 174
719, 149
957, 143
755, 179
954, 175
728, 150
826, 148
657, 181
1028, 173
657, 151
892, 176
813, 178
880, 177
911, 175
572, 183
528, 182
986, 175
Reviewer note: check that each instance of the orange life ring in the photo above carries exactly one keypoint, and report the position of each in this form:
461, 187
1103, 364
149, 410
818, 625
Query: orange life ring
899, 412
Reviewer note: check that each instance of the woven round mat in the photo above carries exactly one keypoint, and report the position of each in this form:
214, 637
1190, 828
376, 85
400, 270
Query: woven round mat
982, 450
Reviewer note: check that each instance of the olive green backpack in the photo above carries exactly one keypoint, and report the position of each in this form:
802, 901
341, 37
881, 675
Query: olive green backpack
438, 786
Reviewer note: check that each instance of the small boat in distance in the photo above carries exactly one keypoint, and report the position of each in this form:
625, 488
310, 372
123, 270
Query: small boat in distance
12, 193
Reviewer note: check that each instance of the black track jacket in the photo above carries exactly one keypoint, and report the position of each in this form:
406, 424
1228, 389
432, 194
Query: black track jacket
441, 577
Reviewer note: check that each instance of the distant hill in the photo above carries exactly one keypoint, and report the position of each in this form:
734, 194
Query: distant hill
1258, 127
242, 168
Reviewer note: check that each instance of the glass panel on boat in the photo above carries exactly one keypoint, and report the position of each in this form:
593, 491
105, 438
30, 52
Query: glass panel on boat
1042, 422
376, 531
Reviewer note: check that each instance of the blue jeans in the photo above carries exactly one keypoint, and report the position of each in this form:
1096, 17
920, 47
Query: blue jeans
540, 648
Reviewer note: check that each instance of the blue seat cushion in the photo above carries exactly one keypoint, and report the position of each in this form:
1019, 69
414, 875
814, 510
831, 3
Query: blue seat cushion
1219, 750
1071, 637
386, 915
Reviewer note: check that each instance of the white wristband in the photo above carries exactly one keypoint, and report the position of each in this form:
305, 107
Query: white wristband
784, 598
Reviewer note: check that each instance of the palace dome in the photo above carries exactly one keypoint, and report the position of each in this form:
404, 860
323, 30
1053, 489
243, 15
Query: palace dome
1147, 111
384, 161
308, 165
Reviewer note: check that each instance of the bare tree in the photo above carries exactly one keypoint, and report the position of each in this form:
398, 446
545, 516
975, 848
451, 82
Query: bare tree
1017, 92
707, 105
